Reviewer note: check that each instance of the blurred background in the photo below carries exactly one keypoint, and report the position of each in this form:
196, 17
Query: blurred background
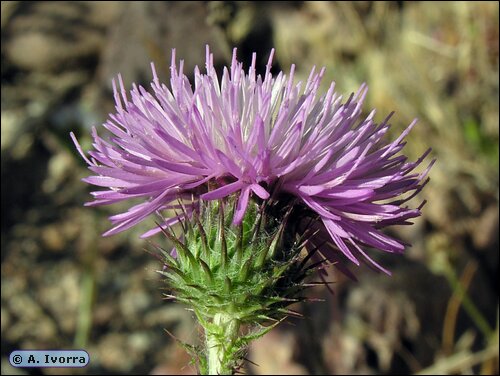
64, 286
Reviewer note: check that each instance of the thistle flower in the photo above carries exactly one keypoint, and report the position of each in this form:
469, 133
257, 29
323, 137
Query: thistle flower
255, 169
260, 138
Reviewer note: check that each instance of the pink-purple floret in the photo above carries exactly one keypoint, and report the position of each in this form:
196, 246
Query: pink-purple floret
256, 136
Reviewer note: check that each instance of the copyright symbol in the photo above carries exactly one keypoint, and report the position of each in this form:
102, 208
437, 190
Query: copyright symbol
17, 359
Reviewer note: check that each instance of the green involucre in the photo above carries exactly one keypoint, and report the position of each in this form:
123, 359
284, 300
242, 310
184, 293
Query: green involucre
232, 275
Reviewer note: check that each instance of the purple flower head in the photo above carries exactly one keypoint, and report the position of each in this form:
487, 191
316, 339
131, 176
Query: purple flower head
256, 137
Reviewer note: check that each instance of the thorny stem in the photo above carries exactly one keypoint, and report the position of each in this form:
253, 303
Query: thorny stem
220, 343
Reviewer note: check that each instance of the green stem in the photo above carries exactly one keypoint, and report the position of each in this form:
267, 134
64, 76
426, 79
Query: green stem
220, 341
469, 306
84, 323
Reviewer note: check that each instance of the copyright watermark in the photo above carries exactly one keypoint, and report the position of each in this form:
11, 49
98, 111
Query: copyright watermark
49, 358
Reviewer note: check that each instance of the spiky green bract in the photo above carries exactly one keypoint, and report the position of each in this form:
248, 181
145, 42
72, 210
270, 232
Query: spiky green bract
232, 275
